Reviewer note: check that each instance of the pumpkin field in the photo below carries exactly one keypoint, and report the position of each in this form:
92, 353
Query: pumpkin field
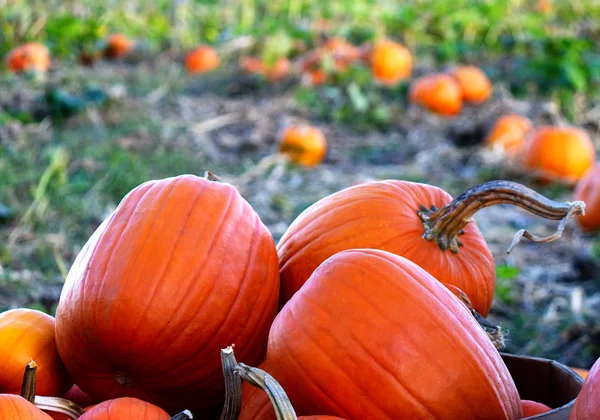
183, 178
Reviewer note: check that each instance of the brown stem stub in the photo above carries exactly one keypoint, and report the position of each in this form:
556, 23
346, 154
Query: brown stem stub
445, 225
211, 177
261, 379
28, 384
233, 386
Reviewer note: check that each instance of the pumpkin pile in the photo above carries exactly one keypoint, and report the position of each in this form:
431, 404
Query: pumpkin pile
347, 313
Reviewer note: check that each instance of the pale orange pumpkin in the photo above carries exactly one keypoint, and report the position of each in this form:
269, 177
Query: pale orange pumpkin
588, 190
474, 84
15, 407
303, 144
439, 93
31, 56
391, 62
508, 133
560, 153
25, 335
201, 60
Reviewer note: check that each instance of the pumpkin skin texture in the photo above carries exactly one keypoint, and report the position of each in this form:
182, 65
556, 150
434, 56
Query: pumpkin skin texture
474, 84
383, 215
202, 60
390, 62
181, 269
563, 153
14, 407
439, 93
533, 408
368, 320
587, 404
588, 190
30, 56
27, 334
125, 408
303, 144
508, 133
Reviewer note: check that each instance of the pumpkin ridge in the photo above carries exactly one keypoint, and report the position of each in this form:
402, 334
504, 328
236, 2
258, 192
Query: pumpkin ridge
359, 343
306, 373
227, 210
166, 267
235, 300
96, 293
453, 314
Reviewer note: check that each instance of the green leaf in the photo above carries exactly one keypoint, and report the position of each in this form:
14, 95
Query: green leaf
576, 76
507, 272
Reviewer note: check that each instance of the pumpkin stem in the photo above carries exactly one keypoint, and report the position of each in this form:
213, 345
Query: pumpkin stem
493, 331
211, 177
28, 384
184, 415
54, 404
446, 224
261, 379
233, 386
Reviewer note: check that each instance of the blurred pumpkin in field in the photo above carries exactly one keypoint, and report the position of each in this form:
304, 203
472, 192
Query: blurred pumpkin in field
588, 190
30, 56
474, 84
390, 62
437, 92
558, 153
202, 59
508, 133
274, 72
343, 52
303, 144
117, 46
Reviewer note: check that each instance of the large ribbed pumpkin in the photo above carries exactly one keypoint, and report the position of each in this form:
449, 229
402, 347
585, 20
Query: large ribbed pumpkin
417, 221
371, 335
27, 334
182, 268
587, 405
15, 407
125, 408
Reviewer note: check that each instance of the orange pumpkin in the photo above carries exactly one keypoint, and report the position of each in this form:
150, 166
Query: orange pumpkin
508, 133
278, 71
533, 408
181, 269
125, 408
117, 46
303, 144
390, 62
252, 65
342, 52
587, 404
202, 60
368, 320
28, 334
439, 93
563, 153
314, 77
474, 84
30, 56
15, 407
588, 190
417, 221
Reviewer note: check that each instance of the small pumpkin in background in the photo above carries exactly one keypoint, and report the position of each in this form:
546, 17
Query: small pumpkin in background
117, 46
15, 407
391, 62
303, 144
588, 190
474, 84
274, 72
587, 404
437, 92
508, 133
533, 408
31, 56
28, 334
343, 52
125, 408
201, 60
558, 153
314, 77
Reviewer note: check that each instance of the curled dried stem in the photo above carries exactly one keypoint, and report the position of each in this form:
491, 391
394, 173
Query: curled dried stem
261, 379
59, 405
446, 224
